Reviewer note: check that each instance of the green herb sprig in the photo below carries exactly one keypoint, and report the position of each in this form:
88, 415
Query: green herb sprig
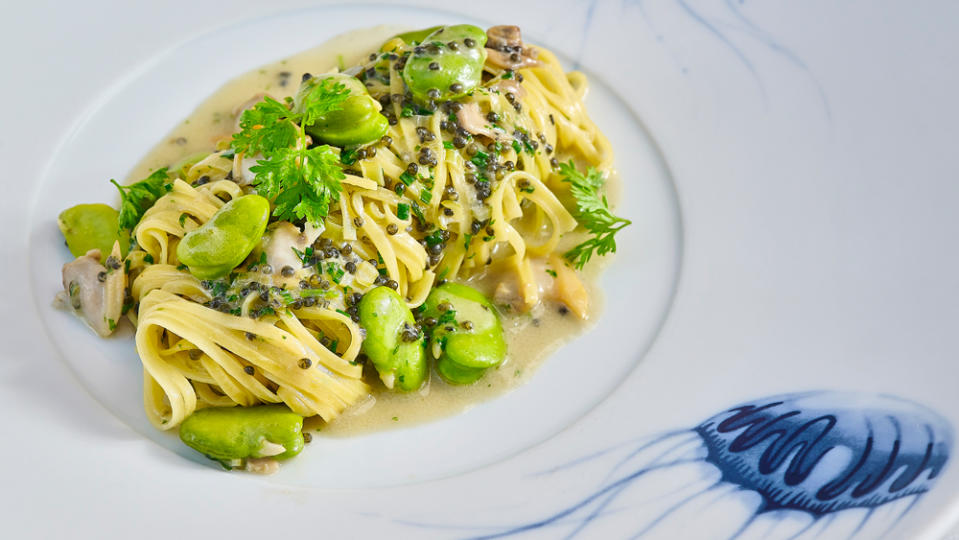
136, 198
301, 181
592, 212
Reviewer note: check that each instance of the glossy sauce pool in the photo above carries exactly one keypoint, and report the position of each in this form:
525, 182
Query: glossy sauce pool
531, 337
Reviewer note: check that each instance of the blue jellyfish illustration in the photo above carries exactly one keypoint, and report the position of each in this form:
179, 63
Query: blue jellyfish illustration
812, 465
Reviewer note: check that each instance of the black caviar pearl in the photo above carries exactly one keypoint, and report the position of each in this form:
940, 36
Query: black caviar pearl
469, 42
391, 229
434, 66
456, 88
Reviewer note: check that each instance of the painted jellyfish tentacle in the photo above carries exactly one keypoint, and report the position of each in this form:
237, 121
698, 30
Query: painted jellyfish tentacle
801, 466
896, 448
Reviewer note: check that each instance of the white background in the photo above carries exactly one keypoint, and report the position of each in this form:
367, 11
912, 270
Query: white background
826, 240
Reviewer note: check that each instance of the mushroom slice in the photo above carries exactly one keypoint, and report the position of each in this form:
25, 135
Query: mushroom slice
514, 60
505, 49
504, 37
95, 291
568, 289
564, 287
282, 239
509, 86
471, 119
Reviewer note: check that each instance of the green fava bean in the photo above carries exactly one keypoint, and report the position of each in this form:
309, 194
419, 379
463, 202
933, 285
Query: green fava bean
415, 37
469, 327
438, 72
401, 364
221, 244
92, 226
454, 373
231, 433
357, 121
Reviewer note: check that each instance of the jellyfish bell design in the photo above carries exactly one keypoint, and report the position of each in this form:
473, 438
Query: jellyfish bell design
824, 452
823, 464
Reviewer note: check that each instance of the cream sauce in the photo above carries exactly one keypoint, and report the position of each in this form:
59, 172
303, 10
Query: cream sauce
531, 337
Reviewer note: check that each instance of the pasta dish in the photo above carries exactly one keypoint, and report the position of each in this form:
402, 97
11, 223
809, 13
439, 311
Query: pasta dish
372, 231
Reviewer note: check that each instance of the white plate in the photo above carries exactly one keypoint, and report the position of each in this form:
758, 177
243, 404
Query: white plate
812, 242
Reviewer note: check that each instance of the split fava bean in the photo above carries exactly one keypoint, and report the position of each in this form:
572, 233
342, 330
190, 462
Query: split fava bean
227, 434
92, 226
454, 373
415, 37
467, 350
357, 121
385, 317
439, 72
221, 244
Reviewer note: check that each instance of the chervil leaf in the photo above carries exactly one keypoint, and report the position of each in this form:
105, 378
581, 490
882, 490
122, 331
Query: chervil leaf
136, 198
265, 127
302, 182
323, 98
592, 212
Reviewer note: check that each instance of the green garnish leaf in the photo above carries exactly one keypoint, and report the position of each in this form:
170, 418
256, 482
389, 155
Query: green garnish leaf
265, 127
136, 198
592, 212
323, 98
301, 182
